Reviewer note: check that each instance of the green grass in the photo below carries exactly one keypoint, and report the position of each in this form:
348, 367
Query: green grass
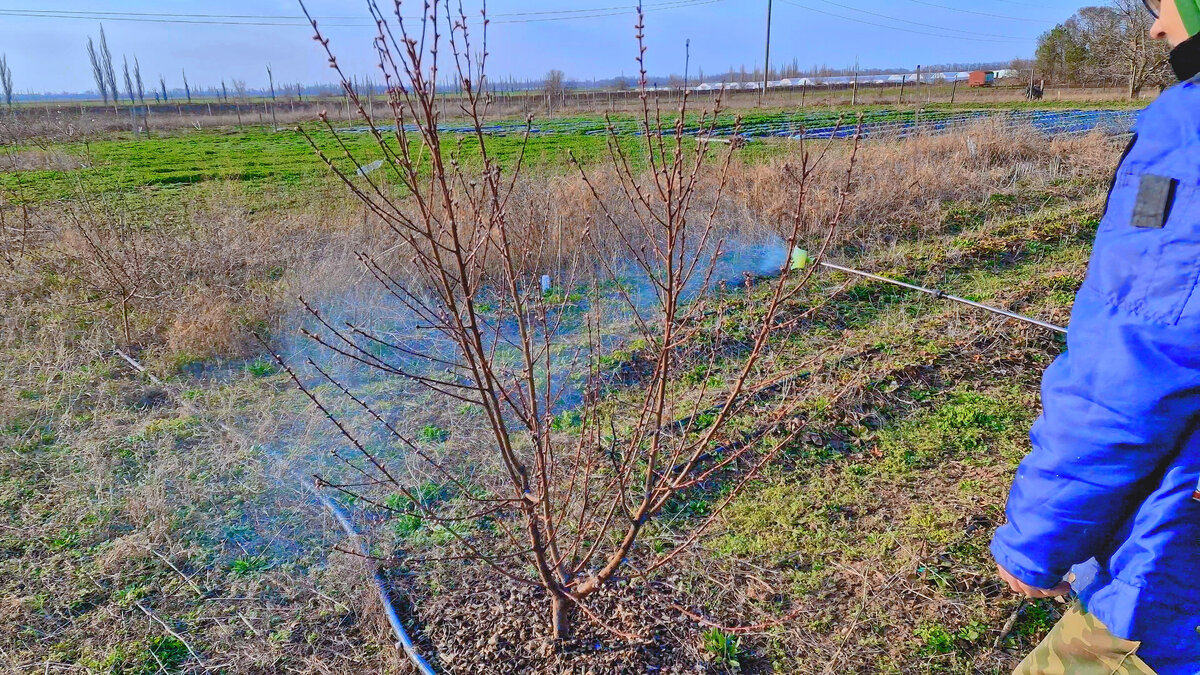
258, 159
283, 164
966, 426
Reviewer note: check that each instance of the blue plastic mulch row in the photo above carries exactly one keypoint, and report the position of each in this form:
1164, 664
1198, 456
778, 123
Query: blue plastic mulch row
819, 126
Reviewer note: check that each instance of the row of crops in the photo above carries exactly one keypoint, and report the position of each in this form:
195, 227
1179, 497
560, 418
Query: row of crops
825, 124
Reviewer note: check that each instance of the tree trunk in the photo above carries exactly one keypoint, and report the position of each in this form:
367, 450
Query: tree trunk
125, 318
560, 616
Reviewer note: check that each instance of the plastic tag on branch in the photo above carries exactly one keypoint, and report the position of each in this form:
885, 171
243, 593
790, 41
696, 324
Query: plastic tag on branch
800, 259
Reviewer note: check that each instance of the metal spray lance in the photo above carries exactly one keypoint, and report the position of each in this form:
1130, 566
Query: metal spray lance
801, 259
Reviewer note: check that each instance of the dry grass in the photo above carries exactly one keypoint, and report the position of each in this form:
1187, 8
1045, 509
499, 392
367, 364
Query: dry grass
97, 467
56, 122
36, 159
217, 269
902, 186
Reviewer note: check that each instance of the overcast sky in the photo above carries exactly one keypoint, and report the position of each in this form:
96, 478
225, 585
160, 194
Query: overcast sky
584, 38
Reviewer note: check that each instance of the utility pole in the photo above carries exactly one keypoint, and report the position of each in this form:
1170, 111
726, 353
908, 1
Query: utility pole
767, 63
271, 79
854, 93
687, 61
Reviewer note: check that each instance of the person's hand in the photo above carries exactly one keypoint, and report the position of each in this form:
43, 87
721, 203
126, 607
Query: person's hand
1029, 591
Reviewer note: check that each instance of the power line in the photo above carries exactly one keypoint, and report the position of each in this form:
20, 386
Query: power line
188, 15
33, 14
646, 6
998, 39
918, 23
971, 11
179, 15
679, 4
1022, 4
355, 22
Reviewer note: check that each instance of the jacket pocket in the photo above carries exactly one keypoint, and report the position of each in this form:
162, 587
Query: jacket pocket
1146, 257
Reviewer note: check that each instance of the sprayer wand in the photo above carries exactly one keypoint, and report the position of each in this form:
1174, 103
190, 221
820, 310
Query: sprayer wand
801, 259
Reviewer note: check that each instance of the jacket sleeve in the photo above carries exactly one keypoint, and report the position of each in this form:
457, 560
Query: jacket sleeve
1116, 408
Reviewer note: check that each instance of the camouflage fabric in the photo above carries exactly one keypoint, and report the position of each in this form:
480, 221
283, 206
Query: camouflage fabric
1081, 645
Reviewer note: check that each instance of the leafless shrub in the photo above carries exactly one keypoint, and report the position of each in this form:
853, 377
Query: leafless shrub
117, 261
566, 508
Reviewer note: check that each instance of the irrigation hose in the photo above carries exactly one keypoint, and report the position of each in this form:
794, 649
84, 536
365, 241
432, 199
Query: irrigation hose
403, 640
801, 259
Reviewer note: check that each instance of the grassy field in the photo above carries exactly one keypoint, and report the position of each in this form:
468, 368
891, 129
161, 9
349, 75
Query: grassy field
140, 536
259, 159
282, 165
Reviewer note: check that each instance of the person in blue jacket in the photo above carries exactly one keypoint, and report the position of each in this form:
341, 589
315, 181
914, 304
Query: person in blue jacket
1107, 504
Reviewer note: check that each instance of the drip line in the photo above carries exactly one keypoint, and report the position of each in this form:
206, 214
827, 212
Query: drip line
403, 640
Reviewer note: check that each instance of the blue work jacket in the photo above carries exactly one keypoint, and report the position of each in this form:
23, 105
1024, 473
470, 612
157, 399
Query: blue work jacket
1107, 492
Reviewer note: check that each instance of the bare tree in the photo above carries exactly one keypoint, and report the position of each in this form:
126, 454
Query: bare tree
187, 90
106, 62
97, 71
224, 92
1129, 47
141, 92
6, 82
128, 80
1106, 44
137, 78
162, 83
239, 90
110, 253
554, 84
566, 510
129, 93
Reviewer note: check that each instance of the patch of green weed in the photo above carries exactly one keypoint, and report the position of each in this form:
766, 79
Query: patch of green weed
247, 566
262, 368
969, 424
724, 648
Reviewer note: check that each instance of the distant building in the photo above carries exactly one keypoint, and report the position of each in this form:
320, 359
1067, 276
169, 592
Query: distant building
982, 78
